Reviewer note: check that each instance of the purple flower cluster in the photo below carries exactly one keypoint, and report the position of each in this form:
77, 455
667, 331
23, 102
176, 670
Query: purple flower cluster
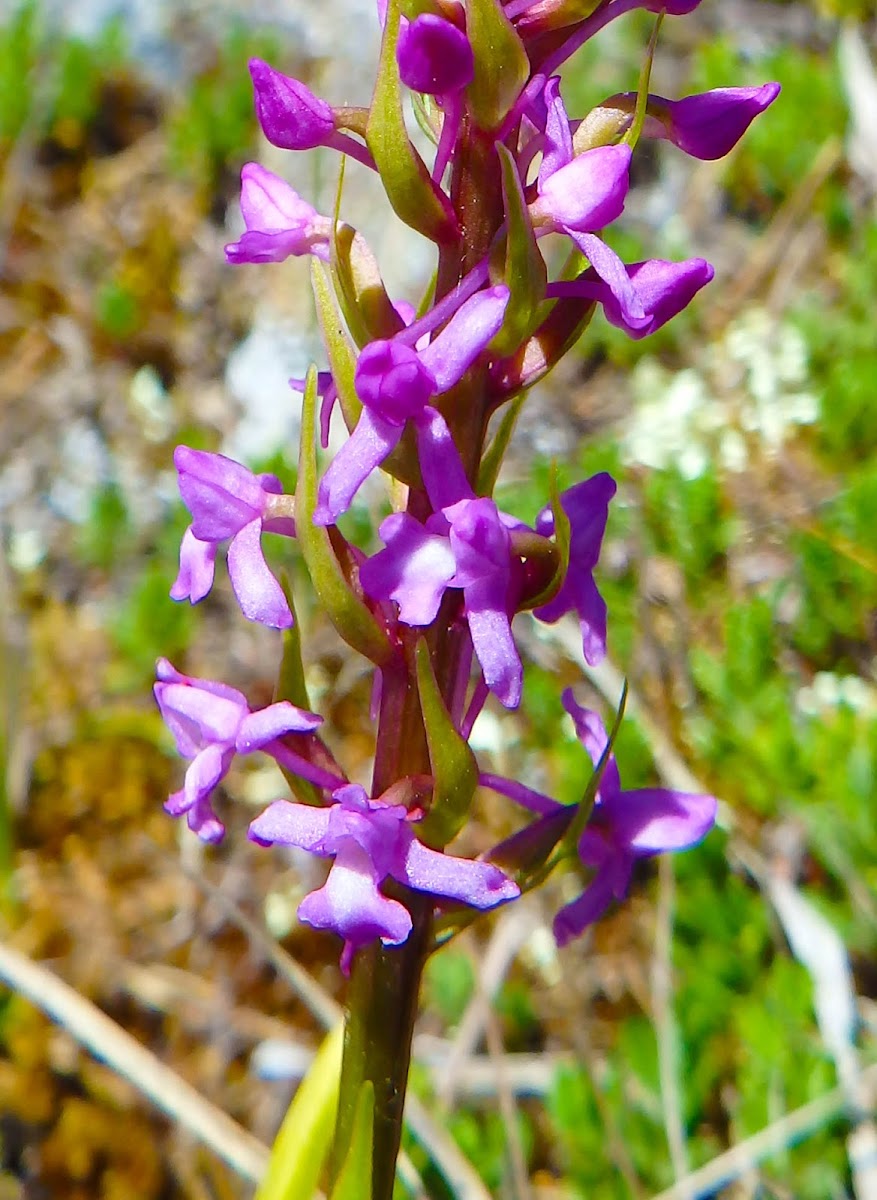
418, 395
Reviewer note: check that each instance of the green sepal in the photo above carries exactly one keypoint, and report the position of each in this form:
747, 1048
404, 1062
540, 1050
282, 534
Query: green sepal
402, 461
416, 8
291, 686
347, 612
454, 768
302, 1145
491, 460
415, 198
523, 270
354, 1180
556, 335
561, 542
502, 67
367, 308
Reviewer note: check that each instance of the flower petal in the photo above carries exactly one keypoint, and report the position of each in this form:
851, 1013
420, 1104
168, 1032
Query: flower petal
479, 884
197, 564
414, 569
286, 824
450, 355
365, 449
272, 722
258, 593
221, 494
652, 820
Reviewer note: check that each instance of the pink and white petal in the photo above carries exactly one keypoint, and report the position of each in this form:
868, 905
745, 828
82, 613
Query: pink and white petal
258, 593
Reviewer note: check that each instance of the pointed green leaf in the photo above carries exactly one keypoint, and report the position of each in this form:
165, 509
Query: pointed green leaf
454, 768
491, 461
642, 93
347, 612
416, 199
340, 352
523, 271
291, 686
302, 1145
502, 67
354, 1180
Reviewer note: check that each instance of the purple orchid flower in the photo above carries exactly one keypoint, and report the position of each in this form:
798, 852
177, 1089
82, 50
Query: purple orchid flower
228, 501
708, 125
293, 118
279, 224
396, 382
465, 544
623, 825
212, 722
587, 507
665, 289
579, 195
371, 841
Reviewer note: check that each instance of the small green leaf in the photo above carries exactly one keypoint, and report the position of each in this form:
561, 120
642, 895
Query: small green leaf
291, 686
454, 768
491, 461
502, 67
302, 1145
354, 1180
342, 356
523, 269
347, 612
642, 94
416, 199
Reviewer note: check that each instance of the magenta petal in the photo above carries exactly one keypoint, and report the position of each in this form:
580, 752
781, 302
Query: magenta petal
350, 904
197, 565
205, 771
414, 569
258, 593
589, 192
203, 821
440, 464
196, 716
221, 495
494, 645
289, 824
651, 820
468, 332
613, 272
574, 918
709, 126
479, 884
434, 56
558, 150
365, 449
291, 116
392, 380
266, 724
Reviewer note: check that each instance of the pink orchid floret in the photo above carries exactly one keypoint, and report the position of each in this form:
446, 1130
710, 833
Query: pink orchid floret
465, 544
396, 383
665, 289
279, 224
228, 502
210, 723
371, 841
434, 56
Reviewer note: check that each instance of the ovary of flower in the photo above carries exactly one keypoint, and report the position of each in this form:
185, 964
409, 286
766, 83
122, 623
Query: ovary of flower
212, 722
227, 501
371, 841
